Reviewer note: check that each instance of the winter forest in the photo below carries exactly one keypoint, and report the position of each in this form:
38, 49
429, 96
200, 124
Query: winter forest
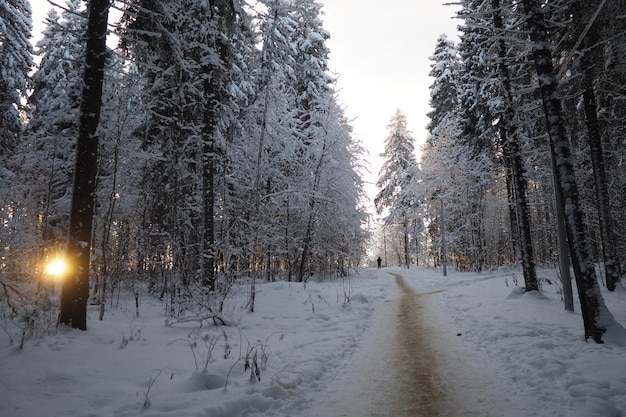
192, 145
220, 152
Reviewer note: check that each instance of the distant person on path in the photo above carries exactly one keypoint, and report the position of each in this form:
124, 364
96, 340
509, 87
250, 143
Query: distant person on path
379, 262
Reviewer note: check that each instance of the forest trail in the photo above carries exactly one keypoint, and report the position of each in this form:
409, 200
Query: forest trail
410, 365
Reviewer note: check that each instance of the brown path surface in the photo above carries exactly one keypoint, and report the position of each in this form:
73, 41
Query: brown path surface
416, 360
410, 366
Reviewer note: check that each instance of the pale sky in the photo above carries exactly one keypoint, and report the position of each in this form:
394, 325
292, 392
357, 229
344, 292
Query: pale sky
380, 51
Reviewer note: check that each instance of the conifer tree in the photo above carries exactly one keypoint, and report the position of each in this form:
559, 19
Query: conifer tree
15, 64
309, 40
398, 172
53, 126
184, 50
457, 99
444, 92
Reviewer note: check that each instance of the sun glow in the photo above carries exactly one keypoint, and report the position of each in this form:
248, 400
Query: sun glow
56, 268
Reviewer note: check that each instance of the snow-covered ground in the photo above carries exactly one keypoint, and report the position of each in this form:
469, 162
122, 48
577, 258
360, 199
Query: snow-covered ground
524, 354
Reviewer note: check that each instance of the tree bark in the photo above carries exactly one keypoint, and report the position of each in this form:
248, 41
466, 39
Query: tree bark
596, 316
208, 200
76, 285
407, 263
510, 193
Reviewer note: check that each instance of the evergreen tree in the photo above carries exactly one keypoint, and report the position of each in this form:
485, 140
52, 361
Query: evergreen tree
396, 175
312, 79
53, 126
15, 64
457, 97
475, 79
188, 67
444, 92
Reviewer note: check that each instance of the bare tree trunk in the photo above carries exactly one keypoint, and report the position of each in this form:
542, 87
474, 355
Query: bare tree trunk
76, 285
596, 316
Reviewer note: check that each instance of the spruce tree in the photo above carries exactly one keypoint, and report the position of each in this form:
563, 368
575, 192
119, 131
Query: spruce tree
444, 91
15, 64
396, 176
50, 137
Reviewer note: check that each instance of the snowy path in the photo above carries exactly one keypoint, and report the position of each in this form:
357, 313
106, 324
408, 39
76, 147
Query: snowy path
410, 364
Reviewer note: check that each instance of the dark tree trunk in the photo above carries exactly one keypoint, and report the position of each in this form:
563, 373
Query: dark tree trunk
216, 96
512, 154
583, 11
521, 213
596, 317
207, 255
510, 193
611, 264
407, 263
308, 236
208, 240
76, 285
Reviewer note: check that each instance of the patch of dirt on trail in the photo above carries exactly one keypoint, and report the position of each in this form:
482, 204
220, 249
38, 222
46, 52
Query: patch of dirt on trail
438, 381
410, 365
416, 361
